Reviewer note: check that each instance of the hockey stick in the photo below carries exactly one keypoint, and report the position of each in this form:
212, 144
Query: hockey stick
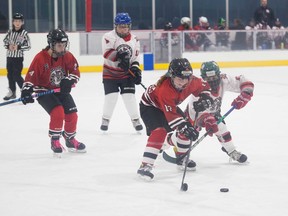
33, 96
184, 186
173, 160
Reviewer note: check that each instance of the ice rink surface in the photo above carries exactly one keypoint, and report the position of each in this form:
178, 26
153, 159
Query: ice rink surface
103, 181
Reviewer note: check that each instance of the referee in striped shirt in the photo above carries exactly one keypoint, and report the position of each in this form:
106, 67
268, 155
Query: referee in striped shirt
16, 41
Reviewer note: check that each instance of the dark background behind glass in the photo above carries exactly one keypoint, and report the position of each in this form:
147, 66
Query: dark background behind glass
139, 10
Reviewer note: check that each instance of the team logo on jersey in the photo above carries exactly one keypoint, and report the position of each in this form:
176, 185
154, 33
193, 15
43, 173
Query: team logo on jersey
125, 48
56, 76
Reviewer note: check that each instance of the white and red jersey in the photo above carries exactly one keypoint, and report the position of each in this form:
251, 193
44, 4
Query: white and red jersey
166, 98
235, 84
111, 44
46, 72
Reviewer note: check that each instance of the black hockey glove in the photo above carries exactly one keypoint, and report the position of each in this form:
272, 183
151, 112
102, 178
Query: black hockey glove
137, 74
188, 131
26, 94
203, 103
124, 60
66, 85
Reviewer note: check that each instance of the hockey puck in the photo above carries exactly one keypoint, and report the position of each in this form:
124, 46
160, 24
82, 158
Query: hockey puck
224, 190
184, 187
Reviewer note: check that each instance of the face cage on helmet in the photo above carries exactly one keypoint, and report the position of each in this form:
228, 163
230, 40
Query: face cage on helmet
58, 54
215, 83
123, 35
182, 77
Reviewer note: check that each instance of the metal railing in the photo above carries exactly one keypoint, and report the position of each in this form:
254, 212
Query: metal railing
166, 45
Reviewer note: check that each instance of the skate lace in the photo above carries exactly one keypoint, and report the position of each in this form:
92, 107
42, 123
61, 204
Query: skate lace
57, 144
105, 122
235, 155
136, 122
75, 143
183, 157
147, 167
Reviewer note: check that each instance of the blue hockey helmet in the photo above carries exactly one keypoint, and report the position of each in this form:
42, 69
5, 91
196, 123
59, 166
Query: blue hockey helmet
122, 19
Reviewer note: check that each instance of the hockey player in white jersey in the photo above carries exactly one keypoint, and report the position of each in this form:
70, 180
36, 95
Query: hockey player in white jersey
207, 109
121, 70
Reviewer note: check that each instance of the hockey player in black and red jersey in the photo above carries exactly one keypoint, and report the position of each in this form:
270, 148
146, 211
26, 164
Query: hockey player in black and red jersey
121, 70
158, 109
51, 68
207, 109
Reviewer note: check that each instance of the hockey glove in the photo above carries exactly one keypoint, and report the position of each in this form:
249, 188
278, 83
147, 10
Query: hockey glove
137, 74
203, 103
242, 100
124, 60
188, 131
66, 85
210, 125
26, 94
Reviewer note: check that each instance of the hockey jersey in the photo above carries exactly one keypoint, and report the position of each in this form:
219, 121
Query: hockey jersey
46, 72
229, 83
166, 98
111, 44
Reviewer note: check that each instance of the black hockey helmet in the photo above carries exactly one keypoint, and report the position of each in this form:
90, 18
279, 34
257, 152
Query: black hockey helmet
57, 36
180, 67
168, 26
18, 16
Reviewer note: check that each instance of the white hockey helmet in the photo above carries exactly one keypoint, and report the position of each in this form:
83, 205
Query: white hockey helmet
185, 20
203, 19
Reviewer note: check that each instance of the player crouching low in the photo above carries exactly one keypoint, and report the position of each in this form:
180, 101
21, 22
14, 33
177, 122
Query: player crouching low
207, 109
158, 109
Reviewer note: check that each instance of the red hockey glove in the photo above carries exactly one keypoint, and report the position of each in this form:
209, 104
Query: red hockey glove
210, 125
242, 100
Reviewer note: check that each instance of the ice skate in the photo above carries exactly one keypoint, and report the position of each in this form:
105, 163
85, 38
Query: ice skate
236, 156
180, 161
56, 147
73, 145
137, 125
10, 95
145, 173
105, 124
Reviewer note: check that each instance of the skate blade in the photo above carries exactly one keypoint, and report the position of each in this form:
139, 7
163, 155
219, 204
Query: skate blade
231, 161
57, 155
145, 178
73, 150
182, 168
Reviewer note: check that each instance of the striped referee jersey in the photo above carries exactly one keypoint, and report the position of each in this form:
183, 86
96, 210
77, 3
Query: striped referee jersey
19, 38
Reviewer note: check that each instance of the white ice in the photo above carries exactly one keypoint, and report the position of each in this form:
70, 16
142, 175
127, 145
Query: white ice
104, 182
